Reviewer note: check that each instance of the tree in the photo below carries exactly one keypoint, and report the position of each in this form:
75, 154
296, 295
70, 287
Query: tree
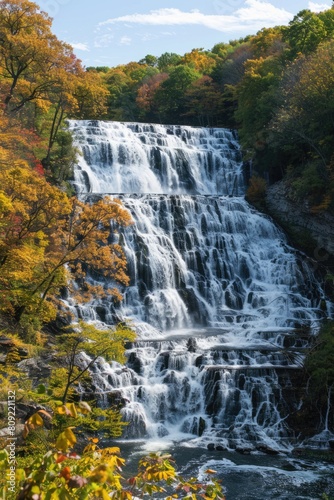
304, 33
43, 82
200, 61
327, 17
149, 60
31, 58
307, 100
221, 49
91, 94
146, 95
268, 42
233, 68
54, 464
319, 365
42, 231
34, 207
307, 90
204, 102
108, 343
123, 83
167, 60
257, 94
62, 473
170, 96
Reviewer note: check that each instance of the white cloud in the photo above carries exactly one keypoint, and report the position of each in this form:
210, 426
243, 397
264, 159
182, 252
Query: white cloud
255, 15
318, 7
147, 37
125, 40
103, 40
80, 46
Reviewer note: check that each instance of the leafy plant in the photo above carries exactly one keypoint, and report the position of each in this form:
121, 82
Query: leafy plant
96, 473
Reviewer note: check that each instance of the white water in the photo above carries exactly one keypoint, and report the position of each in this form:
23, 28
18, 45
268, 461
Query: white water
217, 296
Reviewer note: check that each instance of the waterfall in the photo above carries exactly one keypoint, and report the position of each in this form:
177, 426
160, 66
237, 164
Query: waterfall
217, 296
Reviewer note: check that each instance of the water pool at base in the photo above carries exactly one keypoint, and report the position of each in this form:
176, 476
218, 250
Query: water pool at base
247, 477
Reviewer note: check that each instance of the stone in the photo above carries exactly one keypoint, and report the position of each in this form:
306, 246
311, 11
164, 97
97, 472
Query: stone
19, 428
320, 226
35, 367
201, 426
267, 450
244, 450
25, 410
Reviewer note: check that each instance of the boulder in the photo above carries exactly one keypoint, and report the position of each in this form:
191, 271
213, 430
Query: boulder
35, 367
266, 449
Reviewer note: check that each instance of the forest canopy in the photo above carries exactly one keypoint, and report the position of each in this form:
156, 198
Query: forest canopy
275, 87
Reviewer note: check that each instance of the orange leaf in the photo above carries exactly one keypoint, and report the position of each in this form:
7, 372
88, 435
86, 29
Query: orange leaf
65, 473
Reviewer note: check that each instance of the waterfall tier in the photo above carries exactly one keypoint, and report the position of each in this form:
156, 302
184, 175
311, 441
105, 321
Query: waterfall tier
140, 158
216, 294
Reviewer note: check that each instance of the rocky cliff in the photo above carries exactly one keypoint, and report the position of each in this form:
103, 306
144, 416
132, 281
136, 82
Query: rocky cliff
312, 233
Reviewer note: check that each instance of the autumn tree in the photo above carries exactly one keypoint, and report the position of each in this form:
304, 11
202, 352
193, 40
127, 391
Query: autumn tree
42, 231
90, 93
96, 473
257, 93
307, 100
43, 82
200, 61
170, 96
146, 94
107, 343
268, 42
204, 102
31, 57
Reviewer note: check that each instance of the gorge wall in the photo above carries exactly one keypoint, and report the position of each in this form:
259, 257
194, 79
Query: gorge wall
311, 232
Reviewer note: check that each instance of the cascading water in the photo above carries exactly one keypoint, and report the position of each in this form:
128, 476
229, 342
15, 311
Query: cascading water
216, 295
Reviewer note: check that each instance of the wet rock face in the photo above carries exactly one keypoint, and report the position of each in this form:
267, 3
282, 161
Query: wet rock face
319, 226
36, 368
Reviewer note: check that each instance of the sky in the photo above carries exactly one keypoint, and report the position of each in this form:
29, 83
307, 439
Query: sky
109, 32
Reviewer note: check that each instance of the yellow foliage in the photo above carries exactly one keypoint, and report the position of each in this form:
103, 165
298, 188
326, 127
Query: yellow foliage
84, 407
68, 409
61, 473
199, 60
41, 231
5, 204
66, 440
35, 419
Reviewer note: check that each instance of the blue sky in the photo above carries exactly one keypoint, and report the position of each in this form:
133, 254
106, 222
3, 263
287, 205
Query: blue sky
108, 32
